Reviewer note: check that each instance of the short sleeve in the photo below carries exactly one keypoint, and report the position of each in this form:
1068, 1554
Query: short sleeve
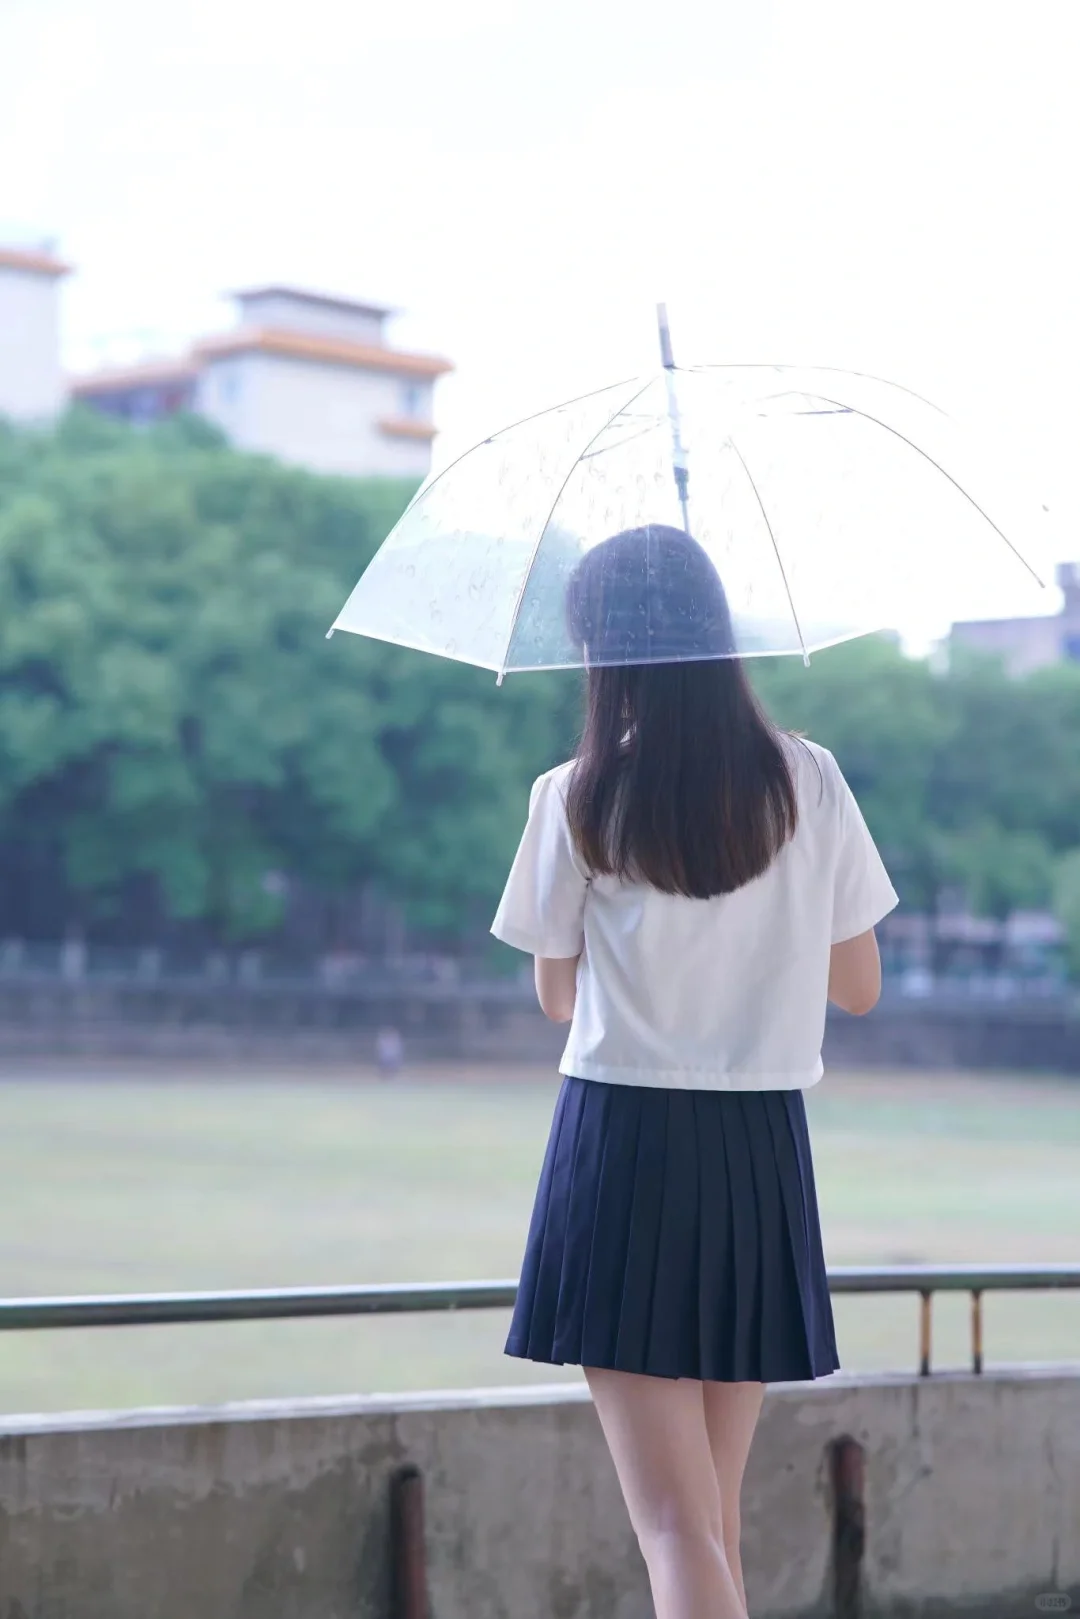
862, 892
543, 903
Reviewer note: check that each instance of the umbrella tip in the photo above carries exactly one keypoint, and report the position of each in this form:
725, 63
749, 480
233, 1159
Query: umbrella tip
330, 633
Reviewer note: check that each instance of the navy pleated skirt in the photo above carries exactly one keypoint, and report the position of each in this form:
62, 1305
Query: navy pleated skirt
676, 1232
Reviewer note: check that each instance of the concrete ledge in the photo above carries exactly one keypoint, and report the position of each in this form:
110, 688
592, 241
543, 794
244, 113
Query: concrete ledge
279, 1510
201, 1019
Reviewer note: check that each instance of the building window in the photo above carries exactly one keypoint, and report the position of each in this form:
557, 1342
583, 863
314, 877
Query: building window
412, 399
229, 386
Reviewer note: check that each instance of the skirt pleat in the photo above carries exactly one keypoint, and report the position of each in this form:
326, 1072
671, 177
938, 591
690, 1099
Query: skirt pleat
674, 1292
589, 1140
676, 1233
646, 1194
609, 1241
538, 1288
791, 1140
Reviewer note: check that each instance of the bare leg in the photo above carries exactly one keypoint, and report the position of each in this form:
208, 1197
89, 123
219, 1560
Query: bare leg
656, 1432
731, 1414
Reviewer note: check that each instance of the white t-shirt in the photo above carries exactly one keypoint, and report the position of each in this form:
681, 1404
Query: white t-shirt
726, 993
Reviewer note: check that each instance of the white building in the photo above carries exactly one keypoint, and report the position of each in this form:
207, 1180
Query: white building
305, 378
1025, 644
32, 386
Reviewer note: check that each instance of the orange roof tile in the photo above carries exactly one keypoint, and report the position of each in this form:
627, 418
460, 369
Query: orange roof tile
405, 427
35, 261
332, 350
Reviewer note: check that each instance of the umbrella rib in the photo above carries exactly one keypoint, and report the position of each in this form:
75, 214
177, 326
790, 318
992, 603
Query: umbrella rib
642, 432
828, 370
776, 548
558, 496
937, 464
425, 489
806, 394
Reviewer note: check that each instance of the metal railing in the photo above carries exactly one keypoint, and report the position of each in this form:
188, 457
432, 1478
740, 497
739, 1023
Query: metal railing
292, 1303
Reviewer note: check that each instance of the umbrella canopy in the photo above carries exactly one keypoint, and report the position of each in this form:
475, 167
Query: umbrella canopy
819, 503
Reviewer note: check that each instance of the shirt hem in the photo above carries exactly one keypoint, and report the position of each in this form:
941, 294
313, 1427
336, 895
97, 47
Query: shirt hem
689, 1079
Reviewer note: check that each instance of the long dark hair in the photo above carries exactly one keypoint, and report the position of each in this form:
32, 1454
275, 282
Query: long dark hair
680, 779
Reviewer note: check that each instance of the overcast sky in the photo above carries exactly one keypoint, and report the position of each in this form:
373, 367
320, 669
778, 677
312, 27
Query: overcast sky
884, 187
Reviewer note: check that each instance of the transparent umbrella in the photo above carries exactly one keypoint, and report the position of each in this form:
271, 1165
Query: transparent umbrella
822, 505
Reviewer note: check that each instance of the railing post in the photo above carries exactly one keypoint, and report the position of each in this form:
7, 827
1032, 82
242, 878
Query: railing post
924, 1332
976, 1331
408, 1560
849, 1526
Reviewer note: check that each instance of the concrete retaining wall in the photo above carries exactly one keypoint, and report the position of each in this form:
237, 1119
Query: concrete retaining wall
471, 1023
972, 1501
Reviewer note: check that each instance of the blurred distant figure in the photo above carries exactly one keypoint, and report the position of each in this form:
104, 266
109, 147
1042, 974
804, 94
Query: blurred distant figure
389, 1051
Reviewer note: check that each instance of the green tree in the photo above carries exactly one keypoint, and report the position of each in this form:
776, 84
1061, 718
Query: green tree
880, 713
174, 724
967, 778
171, 711
999, 871
1012, 750
1067, 904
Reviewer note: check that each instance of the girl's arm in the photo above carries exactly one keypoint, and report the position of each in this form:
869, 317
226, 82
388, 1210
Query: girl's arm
855, 974
556, 986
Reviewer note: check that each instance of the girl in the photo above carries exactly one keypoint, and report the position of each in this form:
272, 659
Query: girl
694, 886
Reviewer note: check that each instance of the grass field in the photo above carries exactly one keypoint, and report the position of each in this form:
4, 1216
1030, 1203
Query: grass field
134, 1180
